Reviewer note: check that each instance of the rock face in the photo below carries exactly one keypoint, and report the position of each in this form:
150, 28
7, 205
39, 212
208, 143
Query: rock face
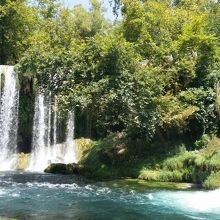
60, 168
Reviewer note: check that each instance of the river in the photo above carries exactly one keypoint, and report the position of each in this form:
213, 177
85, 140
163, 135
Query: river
29, 196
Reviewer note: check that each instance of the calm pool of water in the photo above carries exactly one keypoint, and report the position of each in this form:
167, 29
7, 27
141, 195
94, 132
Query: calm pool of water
44, 196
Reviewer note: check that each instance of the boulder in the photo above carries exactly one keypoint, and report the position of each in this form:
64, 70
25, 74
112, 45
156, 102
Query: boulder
60, 168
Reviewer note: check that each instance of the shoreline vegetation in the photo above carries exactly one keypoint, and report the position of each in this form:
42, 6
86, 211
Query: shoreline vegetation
113, 158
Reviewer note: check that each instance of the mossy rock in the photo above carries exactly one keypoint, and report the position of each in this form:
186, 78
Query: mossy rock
60, 168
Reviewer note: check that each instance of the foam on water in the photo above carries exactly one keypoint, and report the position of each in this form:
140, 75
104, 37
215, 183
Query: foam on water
202, 201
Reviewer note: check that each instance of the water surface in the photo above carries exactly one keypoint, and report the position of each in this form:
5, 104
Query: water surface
45, 196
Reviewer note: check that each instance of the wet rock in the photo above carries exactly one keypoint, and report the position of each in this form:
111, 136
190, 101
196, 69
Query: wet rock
60, 168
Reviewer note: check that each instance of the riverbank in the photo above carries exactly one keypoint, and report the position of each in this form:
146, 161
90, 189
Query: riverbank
118, 157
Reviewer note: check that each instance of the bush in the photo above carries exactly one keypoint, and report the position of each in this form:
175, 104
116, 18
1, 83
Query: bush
214, 162
150, 175
213, 181
175, 163
178, 162
202, 142
167, 176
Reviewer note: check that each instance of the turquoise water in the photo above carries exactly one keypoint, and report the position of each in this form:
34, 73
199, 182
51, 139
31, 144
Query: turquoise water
44, 196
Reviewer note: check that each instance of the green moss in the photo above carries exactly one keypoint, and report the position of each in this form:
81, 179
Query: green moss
83, 146
63, 168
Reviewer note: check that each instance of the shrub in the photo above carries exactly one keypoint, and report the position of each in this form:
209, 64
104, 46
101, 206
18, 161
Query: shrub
178, 162
214, 162
149, 175
161, 175
175, 163
202, 142
213, 181
200, 160
167, 176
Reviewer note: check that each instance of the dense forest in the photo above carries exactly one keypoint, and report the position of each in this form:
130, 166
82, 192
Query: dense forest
147, 83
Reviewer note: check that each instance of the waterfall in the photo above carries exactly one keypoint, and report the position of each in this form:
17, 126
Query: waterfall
43, 152
55, 122
38, 158
0, 83
70, 152
55, 149
49, 121
8, 119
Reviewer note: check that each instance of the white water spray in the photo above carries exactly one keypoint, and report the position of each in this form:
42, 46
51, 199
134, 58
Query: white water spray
8, 119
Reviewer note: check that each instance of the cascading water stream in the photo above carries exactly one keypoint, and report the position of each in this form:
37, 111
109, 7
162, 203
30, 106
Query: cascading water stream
70, 153
8, 119
0, 85
43, 152
38, 155
55, 122
49, 121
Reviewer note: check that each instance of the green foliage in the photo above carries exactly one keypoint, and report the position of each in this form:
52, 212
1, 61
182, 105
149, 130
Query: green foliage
89, 23
48, 8
17, 22
161, 176
213, 181
202, 142
152, 75
204, 100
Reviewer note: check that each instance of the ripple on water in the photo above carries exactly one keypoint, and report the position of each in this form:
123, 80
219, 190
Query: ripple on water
2, 192
51, 185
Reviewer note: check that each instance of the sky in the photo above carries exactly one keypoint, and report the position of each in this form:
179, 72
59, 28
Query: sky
71, 3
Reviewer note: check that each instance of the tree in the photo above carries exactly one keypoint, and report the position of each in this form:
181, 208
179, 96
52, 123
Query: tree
17, 22
92, 22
